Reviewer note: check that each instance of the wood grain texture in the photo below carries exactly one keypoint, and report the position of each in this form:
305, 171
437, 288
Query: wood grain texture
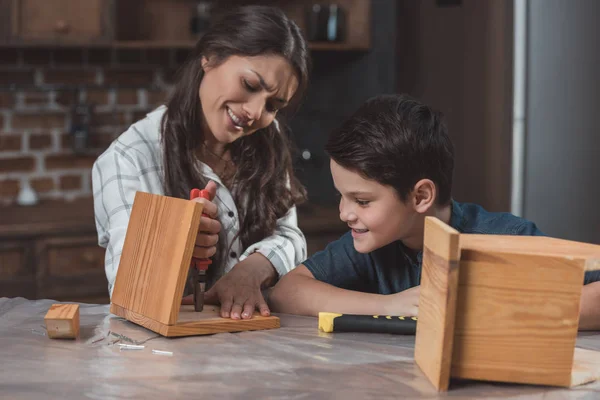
592, 264
156, 256
517, 314
586, 366
192, 323
152, 20
437, 302
62, 321
534, 245
42, 20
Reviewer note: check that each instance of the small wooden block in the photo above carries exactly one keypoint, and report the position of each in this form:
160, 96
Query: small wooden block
62, 321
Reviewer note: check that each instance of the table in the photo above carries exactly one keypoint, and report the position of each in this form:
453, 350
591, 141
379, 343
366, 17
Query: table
293, 362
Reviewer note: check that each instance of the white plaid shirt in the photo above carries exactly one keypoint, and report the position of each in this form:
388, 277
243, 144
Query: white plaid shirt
133, 162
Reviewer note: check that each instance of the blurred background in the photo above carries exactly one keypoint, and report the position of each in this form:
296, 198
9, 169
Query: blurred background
518, 81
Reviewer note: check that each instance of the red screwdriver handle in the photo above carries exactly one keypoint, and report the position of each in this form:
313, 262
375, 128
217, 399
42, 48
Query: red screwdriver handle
201, 263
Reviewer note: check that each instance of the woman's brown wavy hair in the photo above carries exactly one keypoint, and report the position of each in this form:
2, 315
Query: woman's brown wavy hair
264, 186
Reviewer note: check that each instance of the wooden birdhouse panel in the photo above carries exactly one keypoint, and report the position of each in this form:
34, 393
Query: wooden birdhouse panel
517, 317
156, 256
437, 302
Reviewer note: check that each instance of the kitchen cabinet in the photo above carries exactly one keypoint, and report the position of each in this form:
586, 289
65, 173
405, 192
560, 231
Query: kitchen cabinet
141, 24
60, 22
51, 251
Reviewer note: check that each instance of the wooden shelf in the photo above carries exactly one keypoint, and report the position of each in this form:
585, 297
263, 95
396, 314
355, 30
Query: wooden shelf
154, 44
150, 24
47, 218
189, 44
161, 44
335, 46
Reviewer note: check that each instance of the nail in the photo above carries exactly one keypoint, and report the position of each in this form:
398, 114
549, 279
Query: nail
162, 352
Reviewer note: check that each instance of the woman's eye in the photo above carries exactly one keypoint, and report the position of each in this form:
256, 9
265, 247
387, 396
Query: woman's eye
270, 108
248, 86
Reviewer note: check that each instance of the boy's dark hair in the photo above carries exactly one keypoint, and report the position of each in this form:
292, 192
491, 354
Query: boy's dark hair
396, 141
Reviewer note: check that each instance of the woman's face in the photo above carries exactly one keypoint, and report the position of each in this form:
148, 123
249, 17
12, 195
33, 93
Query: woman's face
243, 94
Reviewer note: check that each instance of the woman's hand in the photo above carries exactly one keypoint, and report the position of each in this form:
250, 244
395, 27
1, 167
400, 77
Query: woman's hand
208, 232
405, 303
239, 291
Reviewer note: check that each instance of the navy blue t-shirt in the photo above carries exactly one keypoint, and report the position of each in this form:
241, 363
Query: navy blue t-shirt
394, 268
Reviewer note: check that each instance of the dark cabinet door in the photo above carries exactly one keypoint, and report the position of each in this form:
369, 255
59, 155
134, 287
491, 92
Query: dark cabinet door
61, 21
70, 268
17, 274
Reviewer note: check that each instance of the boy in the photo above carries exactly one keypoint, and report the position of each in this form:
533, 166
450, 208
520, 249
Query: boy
392, 163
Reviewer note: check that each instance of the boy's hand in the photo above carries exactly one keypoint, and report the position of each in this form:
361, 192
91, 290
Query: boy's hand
405, 303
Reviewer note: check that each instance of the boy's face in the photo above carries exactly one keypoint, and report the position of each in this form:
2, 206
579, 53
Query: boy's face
373, 211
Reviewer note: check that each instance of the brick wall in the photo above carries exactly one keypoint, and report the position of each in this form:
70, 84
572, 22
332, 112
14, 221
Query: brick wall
34, 144
38, 89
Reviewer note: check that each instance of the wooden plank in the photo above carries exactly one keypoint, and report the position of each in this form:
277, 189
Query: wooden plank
156, 256
586, 366
62, 321
592, 264
517, 315
437, 302
540, 245
192, 323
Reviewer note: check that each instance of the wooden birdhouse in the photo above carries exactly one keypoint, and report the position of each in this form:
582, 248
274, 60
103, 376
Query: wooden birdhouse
502, 308
154, 267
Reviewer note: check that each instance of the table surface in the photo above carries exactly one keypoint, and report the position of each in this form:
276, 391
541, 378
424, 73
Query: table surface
293, 362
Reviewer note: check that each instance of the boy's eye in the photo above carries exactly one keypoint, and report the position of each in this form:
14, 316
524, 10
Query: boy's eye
362, 202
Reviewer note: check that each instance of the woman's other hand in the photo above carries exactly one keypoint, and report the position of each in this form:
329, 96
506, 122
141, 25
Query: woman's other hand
239, 291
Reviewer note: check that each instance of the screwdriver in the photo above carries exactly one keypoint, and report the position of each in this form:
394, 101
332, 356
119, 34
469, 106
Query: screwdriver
199, 265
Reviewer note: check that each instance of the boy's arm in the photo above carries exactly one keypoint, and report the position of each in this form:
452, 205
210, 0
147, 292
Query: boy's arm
298, 292
589, 316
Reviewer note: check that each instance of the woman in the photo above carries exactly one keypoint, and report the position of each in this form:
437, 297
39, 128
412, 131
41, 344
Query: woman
220, 130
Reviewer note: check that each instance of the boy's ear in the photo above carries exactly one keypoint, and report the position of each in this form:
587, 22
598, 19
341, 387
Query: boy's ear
424, 195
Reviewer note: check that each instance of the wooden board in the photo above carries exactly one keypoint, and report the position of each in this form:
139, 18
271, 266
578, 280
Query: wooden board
540, 245
437, 302
586, 366
517, 314
156, 256
192, 323
62, 321
592, 264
